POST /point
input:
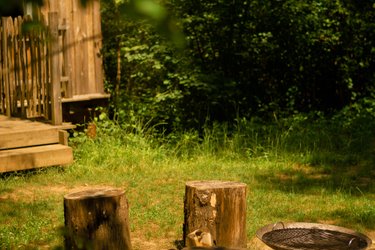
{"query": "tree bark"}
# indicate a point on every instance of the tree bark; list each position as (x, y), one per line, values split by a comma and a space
(215, 214)
(97, 219)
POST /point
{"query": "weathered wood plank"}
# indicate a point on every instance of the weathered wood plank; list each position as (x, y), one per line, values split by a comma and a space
(5, 69)
(2, 90)
(22, 67)
(11, 66)
(35, 157)
(10, 126)
(75, 32)
(67, 49)
(55, 69)
(97, 47)
(91, 84)
(11, 123)
(26, 138)
(84, 77)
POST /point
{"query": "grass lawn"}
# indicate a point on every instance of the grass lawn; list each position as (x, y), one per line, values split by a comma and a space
(281, 187)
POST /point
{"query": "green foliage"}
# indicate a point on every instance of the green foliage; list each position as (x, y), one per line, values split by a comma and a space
(245, 58)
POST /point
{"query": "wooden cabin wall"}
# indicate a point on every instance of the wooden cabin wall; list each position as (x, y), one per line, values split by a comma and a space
(82, 62)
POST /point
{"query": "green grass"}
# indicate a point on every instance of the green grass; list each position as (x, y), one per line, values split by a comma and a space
(289, 178)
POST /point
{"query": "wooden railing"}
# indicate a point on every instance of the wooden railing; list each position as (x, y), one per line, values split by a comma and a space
(30, 68)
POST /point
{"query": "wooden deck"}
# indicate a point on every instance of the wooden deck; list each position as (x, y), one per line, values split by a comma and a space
(26, 144)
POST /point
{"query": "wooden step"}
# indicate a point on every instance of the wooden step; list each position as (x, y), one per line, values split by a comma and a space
(35, 157)
(17, 133)
(33, 136)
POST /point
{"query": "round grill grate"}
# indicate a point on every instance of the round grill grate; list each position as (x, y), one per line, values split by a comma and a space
(311, 236)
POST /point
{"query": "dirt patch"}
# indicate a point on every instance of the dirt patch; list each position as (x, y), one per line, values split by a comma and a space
(139, 243)
(371, 235)
(33, 193)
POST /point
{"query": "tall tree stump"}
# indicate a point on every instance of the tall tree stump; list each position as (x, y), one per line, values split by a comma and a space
(215, 214)
(97, 219)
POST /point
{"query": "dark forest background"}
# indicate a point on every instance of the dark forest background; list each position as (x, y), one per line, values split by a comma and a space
(192, 62)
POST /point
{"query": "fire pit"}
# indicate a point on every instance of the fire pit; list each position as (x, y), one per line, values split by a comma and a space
(311, 236)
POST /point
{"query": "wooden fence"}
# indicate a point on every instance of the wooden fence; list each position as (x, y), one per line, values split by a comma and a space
(30, 64)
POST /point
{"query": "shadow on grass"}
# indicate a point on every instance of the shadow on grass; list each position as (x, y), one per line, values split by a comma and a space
(338, 154)
(24, 174)
(352, 181)
(354, 178)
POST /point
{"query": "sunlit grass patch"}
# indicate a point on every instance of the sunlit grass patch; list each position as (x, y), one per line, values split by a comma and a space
(282, 184)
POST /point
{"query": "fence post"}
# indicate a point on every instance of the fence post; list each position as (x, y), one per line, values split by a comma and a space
(5, 70)
(54, 52)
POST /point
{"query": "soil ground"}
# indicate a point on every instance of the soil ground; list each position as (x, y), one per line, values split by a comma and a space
(139, 242)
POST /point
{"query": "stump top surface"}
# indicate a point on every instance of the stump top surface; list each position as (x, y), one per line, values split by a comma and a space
(91, 193)
(213, 184)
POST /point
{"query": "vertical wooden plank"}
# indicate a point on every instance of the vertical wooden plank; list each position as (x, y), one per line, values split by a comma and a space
(55, 78)
(44, 71)
(99, 79)
(61, 57)
(6, 66)
(2, 91)
(28, 65)
(52, 6)
(83, 54)
(39, 59)
(11, 68)
(67, 49)
(65, 15)
(63, 137)
(75, 31)
(2, 99)
(47, 97)
(17, 67)
(33, 64)
(89, 45)
(21, 67)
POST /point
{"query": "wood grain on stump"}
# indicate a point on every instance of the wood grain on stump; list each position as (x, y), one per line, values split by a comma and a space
(97, 219)
(215, 214)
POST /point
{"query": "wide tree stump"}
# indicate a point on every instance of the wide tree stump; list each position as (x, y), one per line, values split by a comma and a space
(215, 214)
(97, 219)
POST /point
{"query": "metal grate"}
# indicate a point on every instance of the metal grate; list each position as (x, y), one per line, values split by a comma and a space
(311, 236)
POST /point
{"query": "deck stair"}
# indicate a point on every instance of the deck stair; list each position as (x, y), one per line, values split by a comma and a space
(26, 144)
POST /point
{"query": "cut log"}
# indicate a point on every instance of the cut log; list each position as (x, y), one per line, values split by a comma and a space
(97, 219)
(215, 214)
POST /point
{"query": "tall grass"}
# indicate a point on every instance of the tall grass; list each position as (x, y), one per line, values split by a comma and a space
(301, 168)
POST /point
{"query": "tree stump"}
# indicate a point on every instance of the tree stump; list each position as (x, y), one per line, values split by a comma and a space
(97, 219)
(215, 214)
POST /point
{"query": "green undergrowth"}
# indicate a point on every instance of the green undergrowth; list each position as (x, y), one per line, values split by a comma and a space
(299, 169)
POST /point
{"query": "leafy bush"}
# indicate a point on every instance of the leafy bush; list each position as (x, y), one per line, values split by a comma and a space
(242, 59)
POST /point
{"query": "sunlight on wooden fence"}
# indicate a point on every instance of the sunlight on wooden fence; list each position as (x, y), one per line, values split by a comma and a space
(25, 69)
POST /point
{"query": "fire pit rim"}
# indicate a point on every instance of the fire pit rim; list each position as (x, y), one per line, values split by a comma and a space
(307, 225)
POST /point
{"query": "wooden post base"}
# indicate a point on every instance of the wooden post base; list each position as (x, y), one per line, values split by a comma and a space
(97, 219)
(215, 214)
